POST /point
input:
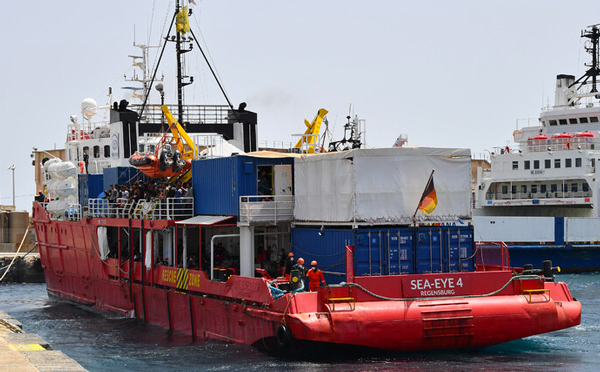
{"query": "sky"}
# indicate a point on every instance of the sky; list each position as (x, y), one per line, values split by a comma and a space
(446, 73)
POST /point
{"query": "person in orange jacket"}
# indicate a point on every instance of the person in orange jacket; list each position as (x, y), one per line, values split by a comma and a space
(316, 277)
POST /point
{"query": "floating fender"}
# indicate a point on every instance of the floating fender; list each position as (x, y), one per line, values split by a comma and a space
(284, 336)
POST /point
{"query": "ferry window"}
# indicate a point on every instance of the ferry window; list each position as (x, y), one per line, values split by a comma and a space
(553, 187)
(578, 162)
(553, 122)
(562, 121)
(515, 165)
(574, 187)
(536, 164)
(107, 151)
(556, 163)
(565, 187)
(585, 187)
(547, 164)
(534, 189)
(568, 163)
(572, 121)
(505, 189)
(583, 120)
(96, 151)
(543, 188)
(524, 189)
(594, 119)
(514, 189)
(526, 164)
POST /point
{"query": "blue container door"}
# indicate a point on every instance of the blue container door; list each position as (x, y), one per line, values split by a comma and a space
(383, 252)
(429, 250)
(399, 243)
(458, 248)
(367, 253)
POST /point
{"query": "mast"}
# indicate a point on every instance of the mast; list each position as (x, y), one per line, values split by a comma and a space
(593, 34)
(180, 51)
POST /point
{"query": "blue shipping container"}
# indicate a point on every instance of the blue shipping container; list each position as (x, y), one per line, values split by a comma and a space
(122, 176)
(443, 249)
(89, 186)
(383, 251)
(327, 248)
(218, 183)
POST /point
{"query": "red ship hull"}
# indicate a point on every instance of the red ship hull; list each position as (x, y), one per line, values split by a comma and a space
(400, 312)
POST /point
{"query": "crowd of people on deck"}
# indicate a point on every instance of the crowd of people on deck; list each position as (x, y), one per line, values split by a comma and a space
(152, 190)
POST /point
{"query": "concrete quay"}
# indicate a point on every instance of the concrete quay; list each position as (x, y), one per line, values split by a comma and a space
(28, 352)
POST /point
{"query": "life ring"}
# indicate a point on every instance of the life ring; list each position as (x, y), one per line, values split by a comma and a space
(284, 337)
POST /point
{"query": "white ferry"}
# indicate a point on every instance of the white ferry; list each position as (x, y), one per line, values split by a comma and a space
(541, 196)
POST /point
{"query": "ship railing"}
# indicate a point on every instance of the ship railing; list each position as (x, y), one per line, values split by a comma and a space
(155, 209)
(538, 195)
(194, 114)
(491, 256)
(266, 208)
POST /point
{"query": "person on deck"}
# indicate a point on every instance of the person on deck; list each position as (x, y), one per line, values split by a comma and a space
(316, 277)
(289, 262)
(40, 197)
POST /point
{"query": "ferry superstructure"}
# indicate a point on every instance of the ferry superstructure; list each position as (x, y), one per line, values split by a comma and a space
(543, 193)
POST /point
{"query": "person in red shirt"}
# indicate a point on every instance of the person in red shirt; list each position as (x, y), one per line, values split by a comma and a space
(316, 277)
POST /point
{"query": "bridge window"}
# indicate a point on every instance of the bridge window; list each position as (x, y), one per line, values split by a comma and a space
(547, 164)
(553, 122)
(585, 187)
(594, 119)
(536, 164)
(583, 120)
(556, 163)
(578, 162)
(96, 152)
(515, 165)
(568, 163)
(527, 164)
(107, 151)
(572, 121)
(562, 121)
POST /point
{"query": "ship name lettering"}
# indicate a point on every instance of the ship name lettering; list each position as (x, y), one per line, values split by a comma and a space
(438, 283)
(194, 280)
(169, 276)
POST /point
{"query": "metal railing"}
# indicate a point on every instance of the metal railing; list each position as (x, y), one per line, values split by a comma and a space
(266, 208)
(156, 209)
(538, 195)
(491, 255)
(194, 114)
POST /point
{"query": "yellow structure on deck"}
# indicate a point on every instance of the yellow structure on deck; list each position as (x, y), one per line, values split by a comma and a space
(312, 133)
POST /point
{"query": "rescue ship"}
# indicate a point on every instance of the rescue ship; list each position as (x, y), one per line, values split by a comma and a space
(390, 228)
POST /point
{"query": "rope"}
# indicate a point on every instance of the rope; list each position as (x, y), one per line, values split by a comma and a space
(20, 257)
(516, 277)
(15, 256)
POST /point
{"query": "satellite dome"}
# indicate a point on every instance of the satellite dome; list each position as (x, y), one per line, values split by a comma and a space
(89, 108)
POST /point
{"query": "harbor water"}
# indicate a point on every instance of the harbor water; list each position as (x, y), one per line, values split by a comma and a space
(104, 342)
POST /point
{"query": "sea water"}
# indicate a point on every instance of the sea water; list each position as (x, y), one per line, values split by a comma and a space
(103, 342)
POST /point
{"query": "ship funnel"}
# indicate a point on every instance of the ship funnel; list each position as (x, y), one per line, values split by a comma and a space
(561, 97)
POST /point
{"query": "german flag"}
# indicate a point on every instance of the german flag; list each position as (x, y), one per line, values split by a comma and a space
(429, 199)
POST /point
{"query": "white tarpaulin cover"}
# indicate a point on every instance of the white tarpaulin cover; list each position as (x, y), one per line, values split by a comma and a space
(382, 185)
(103, 243)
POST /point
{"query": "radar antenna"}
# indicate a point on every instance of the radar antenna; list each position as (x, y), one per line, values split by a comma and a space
(593, 35)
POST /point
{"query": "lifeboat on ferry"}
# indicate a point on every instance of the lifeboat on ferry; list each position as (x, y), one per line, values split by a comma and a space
(585, 134)
(563, 135)
(172, 155)
(540, 137)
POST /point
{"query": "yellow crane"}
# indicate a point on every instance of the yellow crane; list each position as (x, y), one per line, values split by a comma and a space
(312, 132)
